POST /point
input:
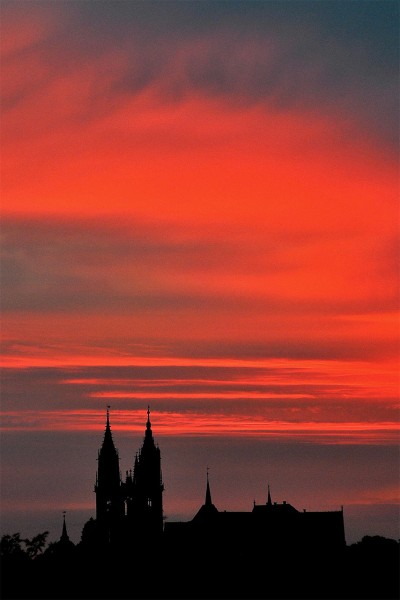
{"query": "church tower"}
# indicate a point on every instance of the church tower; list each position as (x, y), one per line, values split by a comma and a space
(110, 508)
(144, 489)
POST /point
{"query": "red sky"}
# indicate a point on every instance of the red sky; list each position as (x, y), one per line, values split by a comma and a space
(200, 213)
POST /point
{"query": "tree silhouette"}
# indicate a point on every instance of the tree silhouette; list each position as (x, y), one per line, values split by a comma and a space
(10, 546)
(36, 545)
(368, 570)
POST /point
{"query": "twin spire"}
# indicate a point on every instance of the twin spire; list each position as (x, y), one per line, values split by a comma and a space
(108, 427)
(148, 424)
(208, 501)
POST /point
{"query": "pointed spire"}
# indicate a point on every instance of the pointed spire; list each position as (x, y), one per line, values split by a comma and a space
(107, 432)
(269, 501)
(108, 441)
(108, 450)
(148, 434)
(64, 536)
(207, 510)
(208, 493)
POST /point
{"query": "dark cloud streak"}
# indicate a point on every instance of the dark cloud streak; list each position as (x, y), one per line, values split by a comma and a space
(76, 389)
(56, 266)
(337, 56)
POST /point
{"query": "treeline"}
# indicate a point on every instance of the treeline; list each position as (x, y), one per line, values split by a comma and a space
(34, 569)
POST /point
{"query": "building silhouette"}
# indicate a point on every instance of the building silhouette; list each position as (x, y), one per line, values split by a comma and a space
(127, 551)
(130, 513)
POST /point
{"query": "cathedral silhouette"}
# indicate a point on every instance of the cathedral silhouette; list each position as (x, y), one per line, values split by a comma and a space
(131, 512)
(130, 552)
(133, 507)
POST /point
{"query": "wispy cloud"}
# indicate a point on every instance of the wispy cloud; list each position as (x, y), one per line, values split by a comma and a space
(261, 53)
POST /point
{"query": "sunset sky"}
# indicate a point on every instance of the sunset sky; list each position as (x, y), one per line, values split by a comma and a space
(200, 213)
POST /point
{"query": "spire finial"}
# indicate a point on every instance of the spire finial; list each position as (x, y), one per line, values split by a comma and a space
(148, 424)
(269, 501)
(108, 415)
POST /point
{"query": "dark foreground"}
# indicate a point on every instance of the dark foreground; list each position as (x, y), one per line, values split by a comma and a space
(366, 570)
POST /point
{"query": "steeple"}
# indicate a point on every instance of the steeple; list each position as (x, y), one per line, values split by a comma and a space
(148, 424)
(144, 490)
(269, 501)
(108, 443)
(208, 509)
(64, 546)
(109, 500)
(148, 433)
(108, 457)
(64, 536)
(208, 493)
